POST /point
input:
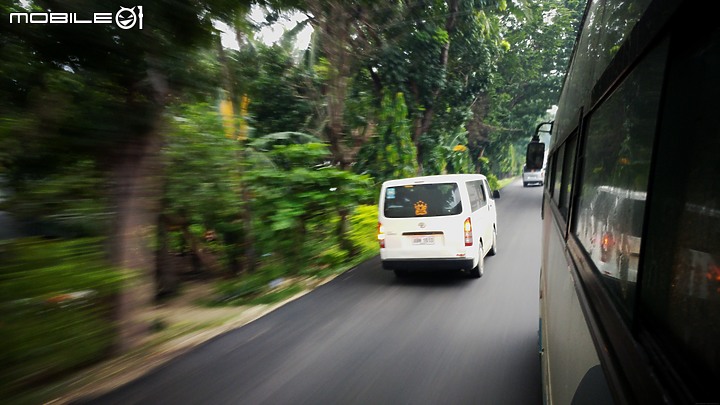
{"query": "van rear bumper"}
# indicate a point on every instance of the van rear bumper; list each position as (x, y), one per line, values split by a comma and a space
(428, 264)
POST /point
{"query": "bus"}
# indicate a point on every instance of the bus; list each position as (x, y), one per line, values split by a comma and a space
(630, 269)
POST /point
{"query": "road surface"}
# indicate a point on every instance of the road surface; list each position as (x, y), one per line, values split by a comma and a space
(370, 338)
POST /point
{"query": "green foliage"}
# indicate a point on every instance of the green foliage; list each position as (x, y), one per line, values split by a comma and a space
(276, 86)
(239, 291)
(78, 93)
(202, 173)
(391, 153)
(504, 182)
(483, 165)
(298, 191)
(531, 71)
(493, 182)
(508, 164)
(363, 229)
(325, 257)
(448, 153)
(265, 143)
(70, 203)
(277, 295)
(441, 57)
(331, 257)
(294, 193)
(36, 267)
(508, 157)
(55, 310)
(264, 287)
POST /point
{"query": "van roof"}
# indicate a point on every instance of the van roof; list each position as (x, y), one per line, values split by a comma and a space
(623, 193)
(441, 178)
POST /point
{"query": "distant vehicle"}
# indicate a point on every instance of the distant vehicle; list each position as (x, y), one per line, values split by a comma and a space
(533, 176)
(610, 226)
(437, 223)
(630, 268)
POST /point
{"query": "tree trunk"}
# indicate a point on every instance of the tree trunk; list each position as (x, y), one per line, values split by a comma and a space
(342, 232)
(166, 273)
(334, 27)
(422, 125)
(249, 262)
(135, 189)
(202, 260)
(424, 121)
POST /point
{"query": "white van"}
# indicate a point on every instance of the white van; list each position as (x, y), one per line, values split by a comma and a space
(445, 222)
(532, 176)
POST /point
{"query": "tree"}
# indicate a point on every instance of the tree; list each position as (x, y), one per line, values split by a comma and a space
(297, 190)
(440, 55)
(99, 93)
(202, 181)
(276, 89)
(529, 76)
(390, 153)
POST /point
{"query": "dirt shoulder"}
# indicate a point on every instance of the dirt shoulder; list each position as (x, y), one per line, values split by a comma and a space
(183, 324)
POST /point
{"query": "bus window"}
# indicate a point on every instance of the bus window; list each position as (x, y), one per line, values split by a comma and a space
(615, 176)
(566, 183)
(557, 173)
(606, 26)
(681, 274)
(580, 75)
(617, 24)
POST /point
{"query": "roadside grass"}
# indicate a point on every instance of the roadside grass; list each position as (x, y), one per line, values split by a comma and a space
(55, 311)
(504, 182)
(279, 278)
(265, 287)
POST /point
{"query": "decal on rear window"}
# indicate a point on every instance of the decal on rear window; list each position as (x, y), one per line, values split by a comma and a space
(420, 208)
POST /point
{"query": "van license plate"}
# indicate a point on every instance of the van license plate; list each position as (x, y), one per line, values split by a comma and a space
(423, 240)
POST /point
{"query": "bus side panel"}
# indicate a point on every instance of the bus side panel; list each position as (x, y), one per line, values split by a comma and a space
(568, 350)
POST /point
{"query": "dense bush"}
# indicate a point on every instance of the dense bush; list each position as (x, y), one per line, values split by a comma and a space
(324, 257)
(363, 230)
(55, 309)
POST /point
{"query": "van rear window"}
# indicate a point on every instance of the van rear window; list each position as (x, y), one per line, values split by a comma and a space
(422, 200)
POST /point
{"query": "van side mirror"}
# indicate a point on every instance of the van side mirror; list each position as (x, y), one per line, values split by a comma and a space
(496, 194)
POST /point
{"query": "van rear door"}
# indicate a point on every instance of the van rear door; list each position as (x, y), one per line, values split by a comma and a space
(422, 220)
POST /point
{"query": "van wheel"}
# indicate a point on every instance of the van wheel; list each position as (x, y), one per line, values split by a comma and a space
(525, 184)
(478, 270)
(493, 249)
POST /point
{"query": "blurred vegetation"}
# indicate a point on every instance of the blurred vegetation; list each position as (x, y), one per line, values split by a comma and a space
(55, 309)
(276, 281)
(162, 155)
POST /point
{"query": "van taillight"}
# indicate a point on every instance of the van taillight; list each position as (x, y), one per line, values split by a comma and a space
(381, 235)
(467, 232)
(606, 244)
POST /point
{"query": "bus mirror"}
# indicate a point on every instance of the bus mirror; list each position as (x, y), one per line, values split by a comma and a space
(535, 156)
(496, 194)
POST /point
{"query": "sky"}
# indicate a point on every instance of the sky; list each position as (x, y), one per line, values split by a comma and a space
(270, 34)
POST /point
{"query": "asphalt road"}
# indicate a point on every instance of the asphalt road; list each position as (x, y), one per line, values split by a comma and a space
(369, 338)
